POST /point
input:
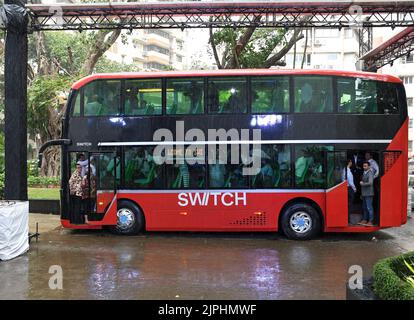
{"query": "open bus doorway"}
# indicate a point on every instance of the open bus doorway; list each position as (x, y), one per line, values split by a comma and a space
(90, 174)
(355, 205)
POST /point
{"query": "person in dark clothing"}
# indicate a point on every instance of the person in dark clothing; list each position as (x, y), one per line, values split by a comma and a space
(75, 189)
(367, 193)
(357, 171)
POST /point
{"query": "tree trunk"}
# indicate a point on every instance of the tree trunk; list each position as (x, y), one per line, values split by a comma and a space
(214, 48)
(274, 60)
(294, 55)
(305, 49)
(104, 39)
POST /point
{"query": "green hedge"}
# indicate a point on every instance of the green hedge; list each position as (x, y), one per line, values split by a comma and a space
(42, 181)
(387, 283)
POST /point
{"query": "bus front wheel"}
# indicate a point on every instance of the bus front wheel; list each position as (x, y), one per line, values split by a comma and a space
(130, 219)
(300, 221)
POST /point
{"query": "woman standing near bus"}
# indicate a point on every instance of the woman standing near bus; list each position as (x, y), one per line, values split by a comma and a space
(76, 192)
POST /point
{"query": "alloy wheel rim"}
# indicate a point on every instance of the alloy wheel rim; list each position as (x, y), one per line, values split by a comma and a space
(300, 222)
(126, 218)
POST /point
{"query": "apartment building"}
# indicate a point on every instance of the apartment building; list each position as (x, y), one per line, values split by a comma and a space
(339, 49)
(325, 49)
(404, 69)
(151, 49)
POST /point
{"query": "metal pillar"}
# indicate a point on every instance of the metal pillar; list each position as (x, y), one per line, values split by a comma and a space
(365, 39)
(15, 87)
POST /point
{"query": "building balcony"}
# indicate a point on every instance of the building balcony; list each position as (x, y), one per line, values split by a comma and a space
(154, 56)
(157, 40)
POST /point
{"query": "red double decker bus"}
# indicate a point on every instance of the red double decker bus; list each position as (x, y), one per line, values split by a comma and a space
(310, 122)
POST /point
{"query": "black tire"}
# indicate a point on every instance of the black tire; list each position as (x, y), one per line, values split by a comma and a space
(306, 214)
(129, 210)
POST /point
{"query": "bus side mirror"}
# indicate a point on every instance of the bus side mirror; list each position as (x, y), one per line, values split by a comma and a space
(56, 142)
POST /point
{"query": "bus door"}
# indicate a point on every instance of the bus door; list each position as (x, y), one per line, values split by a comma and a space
(105, 181)
(337, 190)
(393, 189)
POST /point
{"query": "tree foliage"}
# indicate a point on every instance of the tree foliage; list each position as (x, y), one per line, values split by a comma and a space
(56, 59)
(46, 107)
(252, 47)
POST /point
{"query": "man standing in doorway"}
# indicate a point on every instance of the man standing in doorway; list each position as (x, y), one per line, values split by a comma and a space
(349, 177)
(372, 163)
(375, 169)
(367, 192)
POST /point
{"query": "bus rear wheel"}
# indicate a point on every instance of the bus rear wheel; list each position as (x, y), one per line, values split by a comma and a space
(300, 221)
(130, 219)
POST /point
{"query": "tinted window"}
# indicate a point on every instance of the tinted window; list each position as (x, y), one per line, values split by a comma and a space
(143, 97)
(275, 168)
(141, 172)
(313, 94)
(310, 171)
(227, 95)
(357, 95)
(223, 174)
(336, 162)
(185, 96)
(77, 104)
(270, 95)
(388, 98)
(190, 174)
(108, 168)
(102, 98)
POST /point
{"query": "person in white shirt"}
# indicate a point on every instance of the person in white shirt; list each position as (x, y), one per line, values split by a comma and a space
(372, 163)
(349, 177)
(84, 164)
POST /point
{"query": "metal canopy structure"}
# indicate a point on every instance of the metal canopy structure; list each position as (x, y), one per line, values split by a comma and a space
(19, 18)
(402, 44)
(221, 14)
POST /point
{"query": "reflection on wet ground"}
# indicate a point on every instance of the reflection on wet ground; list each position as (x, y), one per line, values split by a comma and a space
(99, 265)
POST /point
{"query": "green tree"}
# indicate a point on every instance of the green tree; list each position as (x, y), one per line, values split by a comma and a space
(56, 59)
(252, 47)
(46, 107)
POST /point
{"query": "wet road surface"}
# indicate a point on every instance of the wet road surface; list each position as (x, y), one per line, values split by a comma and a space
(99, 265)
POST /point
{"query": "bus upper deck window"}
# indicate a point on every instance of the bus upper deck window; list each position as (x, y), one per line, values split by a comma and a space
(388, 98)
(143, 97)
(313, 94)
(270, 95)
(102, 98)
(185, 96)
(227, 95)
(77, 105)
(356, 95)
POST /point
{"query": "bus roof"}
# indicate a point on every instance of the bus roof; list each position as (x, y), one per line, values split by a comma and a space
(233, 72)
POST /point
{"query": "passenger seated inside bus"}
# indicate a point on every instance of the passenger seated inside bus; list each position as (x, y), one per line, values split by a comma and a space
(217, 173)
(182, 176)
(313, 94)
(266, 177)
(110, 103)
(312, 101)
(93, 105)
(233, 104)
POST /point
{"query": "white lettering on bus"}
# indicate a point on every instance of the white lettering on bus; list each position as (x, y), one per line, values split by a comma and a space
(242, 197)
(215, 194)
(227, 204)
(182, 199)
(226, 199)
